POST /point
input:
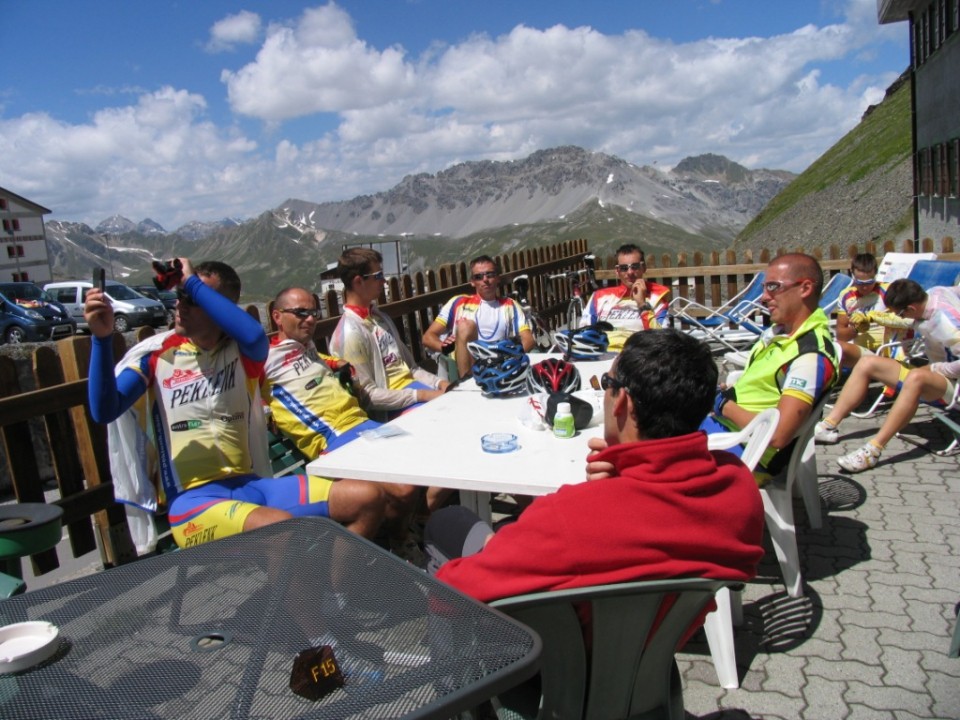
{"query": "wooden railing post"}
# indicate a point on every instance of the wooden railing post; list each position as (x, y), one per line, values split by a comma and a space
(116, 544)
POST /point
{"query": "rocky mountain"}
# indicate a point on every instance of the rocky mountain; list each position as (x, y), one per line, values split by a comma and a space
(712, 197)
(199, 230)
(494, 207)
(116, 225)
(150, 227)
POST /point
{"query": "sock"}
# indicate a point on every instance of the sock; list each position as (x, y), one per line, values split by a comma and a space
(829, 423)
(877, 446)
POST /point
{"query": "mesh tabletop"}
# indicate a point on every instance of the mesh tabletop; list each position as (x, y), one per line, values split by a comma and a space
(212, 632)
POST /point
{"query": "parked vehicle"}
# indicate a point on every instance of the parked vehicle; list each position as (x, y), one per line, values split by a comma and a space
(167, 297)
(28, 314)
(130, 308)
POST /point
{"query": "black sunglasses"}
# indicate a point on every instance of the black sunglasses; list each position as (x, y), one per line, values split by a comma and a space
(488, 275)
(302, 313)
(609, 382)
(632, 266)
(184, 298)
(378, 275)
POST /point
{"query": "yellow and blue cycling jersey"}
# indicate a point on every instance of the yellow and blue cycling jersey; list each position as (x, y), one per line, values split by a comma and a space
(201, 411)
(308, 403)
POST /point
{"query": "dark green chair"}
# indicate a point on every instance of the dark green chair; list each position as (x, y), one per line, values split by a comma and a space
(25, 529)
(285, 457)
(628, 670)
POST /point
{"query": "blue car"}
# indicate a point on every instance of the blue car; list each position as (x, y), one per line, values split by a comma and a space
(30, 314)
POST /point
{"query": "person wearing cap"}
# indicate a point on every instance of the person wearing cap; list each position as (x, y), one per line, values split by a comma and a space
(482, 316)
(368, 339)
(654, 463)
(633, 305)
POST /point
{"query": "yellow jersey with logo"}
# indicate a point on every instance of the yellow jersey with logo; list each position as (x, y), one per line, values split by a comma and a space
(200, 402)
(306, 398)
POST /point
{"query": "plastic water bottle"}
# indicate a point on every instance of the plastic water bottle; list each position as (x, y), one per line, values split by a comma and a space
(563, 426)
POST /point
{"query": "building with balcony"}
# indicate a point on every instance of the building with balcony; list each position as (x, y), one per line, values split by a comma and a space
(23, 240)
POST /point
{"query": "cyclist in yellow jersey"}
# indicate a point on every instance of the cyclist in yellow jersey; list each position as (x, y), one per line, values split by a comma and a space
(318, 408)
(202, 411)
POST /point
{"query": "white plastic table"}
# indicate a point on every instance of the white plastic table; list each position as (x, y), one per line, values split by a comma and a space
(440, 447)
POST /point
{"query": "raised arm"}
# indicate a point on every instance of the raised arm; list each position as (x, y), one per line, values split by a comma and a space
(109, 396)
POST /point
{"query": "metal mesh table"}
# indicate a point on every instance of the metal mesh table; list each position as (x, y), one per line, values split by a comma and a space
(212, 632)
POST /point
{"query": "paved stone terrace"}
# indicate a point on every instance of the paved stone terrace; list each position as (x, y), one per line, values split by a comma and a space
(870, 637)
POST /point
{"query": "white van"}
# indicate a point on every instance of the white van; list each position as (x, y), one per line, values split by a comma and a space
(130, 308)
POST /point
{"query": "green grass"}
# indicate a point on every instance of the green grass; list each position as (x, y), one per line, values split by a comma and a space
(880, 141)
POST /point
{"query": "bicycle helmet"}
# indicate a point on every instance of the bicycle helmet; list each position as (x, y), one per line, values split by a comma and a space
(502, 376)
(586, 343)
(552, 375)
(484, 350)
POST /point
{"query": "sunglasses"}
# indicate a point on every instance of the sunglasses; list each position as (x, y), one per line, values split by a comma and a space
(376, 276)
(868, 281)
(775, 286)
(302, 313)
(632, 266)
(184, 298)
(609, 382)
(899, 313)
(488, 275)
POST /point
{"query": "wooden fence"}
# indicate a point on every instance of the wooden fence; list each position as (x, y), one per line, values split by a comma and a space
(57, 400)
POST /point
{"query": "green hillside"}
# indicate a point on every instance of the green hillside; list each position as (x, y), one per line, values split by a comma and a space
(877, 144)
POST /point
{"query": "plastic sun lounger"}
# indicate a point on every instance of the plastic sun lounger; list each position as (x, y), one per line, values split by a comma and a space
(714, 325)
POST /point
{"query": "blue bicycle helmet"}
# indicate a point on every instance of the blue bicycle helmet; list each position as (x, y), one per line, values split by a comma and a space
(587, 343)
(503, 376)
(493, 350)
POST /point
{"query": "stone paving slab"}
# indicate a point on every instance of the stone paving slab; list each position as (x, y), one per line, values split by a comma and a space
(869, 639)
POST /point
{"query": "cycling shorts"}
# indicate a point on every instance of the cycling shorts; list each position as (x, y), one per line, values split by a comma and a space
(219, 508)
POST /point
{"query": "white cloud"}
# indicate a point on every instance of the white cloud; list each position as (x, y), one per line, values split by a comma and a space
(317, 65)
(760, 101)
(240, 29)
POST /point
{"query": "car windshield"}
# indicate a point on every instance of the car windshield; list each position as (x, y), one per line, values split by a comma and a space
(117, 291)
(28, 292)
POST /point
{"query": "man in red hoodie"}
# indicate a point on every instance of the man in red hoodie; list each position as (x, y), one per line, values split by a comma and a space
(657, 504)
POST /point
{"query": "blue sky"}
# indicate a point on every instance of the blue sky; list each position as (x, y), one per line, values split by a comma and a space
(183, 110)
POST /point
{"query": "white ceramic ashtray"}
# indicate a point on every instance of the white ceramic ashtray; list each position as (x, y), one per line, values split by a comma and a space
(499, 442)
(23, 645)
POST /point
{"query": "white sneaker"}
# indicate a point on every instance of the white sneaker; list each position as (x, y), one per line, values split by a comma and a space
(826, 435)
(860, 460)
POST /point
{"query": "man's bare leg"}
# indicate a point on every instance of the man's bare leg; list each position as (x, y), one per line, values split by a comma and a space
(359, 505)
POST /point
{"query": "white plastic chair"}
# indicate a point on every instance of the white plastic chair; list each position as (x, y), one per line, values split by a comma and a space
(801, 472)
(718, 625)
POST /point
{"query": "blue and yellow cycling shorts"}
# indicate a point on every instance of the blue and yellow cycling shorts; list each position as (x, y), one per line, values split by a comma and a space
(219, 508)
